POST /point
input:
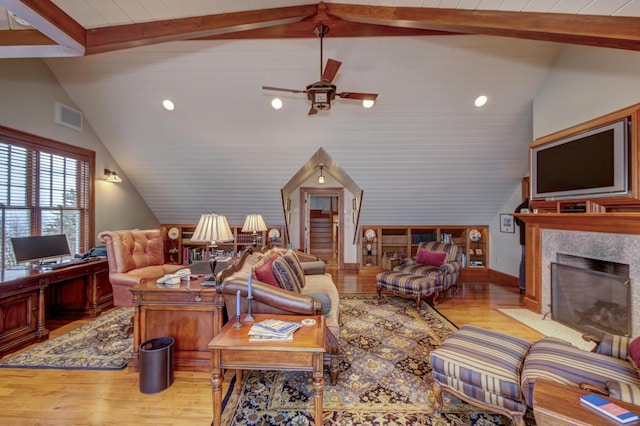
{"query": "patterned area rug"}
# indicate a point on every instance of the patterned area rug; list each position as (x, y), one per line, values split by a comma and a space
(98, 345)
(384, 375)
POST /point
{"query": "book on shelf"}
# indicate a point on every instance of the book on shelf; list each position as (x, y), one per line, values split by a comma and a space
(608, 408)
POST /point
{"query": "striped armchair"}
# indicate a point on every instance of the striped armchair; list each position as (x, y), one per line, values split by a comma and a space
(450, 270)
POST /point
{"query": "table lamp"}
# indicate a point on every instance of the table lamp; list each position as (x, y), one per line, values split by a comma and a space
(254, 223)
(212, 228)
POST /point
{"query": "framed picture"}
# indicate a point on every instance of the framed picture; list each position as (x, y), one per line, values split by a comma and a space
(478, 252)
(506, 223)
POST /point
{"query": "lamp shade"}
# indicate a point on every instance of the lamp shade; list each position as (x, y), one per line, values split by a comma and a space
(254, 223)
(212, 228)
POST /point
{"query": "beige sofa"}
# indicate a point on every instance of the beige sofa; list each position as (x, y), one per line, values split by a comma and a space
(318, 295)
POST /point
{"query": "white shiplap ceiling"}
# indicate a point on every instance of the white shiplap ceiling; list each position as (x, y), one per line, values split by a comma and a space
(423, 154)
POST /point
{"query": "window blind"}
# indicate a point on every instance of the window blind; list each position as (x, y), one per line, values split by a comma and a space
(45, 189)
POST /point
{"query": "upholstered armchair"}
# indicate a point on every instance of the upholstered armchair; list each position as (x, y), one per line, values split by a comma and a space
(134, 256)
(449, 265)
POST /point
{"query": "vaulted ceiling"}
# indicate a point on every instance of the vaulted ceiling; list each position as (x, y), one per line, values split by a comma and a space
(422, 154)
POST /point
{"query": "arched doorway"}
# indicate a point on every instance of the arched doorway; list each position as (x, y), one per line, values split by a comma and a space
(322, 223)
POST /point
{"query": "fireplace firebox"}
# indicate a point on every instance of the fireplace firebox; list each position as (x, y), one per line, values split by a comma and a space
(591, 295)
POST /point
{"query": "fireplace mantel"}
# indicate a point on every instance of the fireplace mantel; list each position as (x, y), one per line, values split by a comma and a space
(617, 223)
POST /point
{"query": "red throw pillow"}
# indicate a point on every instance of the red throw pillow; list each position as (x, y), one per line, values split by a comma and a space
(265, 272)
(432, 258)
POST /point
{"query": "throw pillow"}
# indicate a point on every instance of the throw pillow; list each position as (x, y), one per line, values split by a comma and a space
(626, 392)
(323, 298)
(432, 258)
(294, 262)
(263, 271)
(285, 276)
(634, 353)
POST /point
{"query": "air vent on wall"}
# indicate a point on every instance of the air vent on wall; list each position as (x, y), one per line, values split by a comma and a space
(68, 116)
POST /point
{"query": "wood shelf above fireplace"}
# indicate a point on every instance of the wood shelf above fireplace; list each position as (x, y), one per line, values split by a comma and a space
(618, 223)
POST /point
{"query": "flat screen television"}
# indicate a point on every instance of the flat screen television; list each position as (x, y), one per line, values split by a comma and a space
(590, 164)
(27, 249)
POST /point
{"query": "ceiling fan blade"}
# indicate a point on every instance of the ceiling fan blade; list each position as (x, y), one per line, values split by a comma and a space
(330, 70)
(312, 111)
(280, 89)
(353, 95)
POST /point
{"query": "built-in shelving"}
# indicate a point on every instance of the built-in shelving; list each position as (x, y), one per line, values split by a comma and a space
(388, 245)
(183, 250)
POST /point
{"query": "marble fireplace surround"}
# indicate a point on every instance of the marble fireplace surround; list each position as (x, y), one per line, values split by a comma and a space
(621, 248)
(608, 236)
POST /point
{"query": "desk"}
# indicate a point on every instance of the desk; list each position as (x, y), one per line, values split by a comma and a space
(30, 296)
(191, 314)
(556, 404)
(231, 349)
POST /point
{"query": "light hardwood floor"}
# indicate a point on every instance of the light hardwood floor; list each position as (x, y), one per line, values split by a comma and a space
(74, 397)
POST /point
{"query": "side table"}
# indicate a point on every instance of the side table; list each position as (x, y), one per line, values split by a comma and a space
(192, 314)
(231, 349)
(556, 404)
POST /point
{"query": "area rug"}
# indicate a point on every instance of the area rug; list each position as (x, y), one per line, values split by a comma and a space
(98, 345)
(384, 375)
(548, 327)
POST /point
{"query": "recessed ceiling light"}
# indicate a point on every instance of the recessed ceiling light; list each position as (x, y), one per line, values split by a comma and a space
(368, 103)
(481, 101)
(168, 105)
(276, 103)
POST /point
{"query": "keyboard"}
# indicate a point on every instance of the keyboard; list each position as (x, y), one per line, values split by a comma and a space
(66, 264)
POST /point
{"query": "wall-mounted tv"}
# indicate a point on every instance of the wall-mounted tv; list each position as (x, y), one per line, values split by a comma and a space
(27, 249)
(590, 164)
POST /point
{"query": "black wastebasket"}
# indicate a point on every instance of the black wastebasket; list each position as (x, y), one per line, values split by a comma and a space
(156, 364)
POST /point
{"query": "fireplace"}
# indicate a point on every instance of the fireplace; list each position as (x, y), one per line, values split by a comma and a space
(609, 247)
(591, 295)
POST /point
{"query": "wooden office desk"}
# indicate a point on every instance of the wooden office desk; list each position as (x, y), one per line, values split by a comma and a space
(28, 297)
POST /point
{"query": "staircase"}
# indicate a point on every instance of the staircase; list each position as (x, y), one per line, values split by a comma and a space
(321, 241)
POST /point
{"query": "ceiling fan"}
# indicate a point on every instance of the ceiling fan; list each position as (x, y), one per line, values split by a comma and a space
(322, 92)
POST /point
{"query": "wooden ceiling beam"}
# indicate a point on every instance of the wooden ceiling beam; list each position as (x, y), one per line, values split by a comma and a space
(591, 30)
(337, 28)
(24, 38)
(125, 36)
(54, 25)
(344, 20)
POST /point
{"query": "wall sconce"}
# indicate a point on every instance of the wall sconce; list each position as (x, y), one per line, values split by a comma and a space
(321, 177)
(110, 176)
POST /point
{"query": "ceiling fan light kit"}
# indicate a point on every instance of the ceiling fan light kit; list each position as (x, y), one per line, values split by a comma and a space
(322, 92)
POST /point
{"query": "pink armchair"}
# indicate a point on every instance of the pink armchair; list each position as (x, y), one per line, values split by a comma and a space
(134, 257)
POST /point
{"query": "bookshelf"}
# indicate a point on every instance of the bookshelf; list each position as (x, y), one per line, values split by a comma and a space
(184, 251)
(393, 243)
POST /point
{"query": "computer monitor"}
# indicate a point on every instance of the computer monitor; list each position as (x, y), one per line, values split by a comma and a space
(38, 247)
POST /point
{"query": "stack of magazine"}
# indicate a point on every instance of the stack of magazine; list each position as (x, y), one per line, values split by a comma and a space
(273, 330)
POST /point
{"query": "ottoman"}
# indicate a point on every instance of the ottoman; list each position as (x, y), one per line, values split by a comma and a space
(408, 285)
(481, 367)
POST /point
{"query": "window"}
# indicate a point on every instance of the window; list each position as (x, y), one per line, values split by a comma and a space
(45, 189)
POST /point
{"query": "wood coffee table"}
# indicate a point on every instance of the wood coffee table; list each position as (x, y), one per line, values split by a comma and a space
(231, 349)
(556, 404)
